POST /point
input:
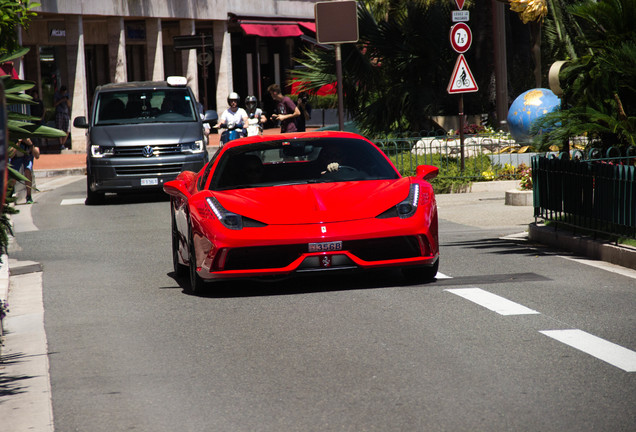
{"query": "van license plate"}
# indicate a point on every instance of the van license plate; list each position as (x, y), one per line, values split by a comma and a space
(149, 182)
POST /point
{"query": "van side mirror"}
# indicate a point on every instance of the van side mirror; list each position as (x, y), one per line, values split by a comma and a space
(80, 122)
(210, 117)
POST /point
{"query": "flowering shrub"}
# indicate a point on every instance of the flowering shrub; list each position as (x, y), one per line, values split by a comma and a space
(488, 175)
(525, 175)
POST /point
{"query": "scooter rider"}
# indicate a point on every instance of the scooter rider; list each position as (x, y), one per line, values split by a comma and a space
(233, 115)
(256, 116)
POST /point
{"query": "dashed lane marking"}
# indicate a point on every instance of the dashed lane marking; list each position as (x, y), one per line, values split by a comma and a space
(492, 301)
(609, 352)
(73, 201)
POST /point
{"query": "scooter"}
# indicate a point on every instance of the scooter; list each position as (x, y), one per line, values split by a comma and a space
(232, 131)
(254, 127)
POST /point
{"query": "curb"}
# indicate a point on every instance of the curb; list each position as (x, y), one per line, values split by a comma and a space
(59, 172)
(624, 256)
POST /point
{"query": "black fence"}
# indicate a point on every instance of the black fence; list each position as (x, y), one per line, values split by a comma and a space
(595, 195)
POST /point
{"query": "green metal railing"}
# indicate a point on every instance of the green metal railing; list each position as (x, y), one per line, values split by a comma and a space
(482, 154)
(598, 195)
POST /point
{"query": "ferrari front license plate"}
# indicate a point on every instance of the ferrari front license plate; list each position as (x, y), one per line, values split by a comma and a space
(149, 182)
(325, 247)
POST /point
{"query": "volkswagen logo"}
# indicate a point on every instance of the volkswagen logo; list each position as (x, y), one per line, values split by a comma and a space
(147, 151)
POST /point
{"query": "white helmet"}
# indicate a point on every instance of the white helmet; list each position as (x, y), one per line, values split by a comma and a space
(233, 96)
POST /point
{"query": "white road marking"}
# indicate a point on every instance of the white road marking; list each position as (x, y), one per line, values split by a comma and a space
(442, 276)
(609, 352)
(604, 266)
(73, 201)
(492, 301)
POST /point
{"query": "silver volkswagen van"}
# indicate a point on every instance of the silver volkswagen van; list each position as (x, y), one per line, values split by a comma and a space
(141, 135)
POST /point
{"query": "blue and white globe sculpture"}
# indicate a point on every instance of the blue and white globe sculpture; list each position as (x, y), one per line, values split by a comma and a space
(528, 107)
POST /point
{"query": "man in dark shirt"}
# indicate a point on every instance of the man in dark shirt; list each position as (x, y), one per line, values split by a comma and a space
(286, 110)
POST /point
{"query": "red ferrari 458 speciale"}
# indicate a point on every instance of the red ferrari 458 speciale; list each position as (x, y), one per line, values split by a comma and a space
(294, 203)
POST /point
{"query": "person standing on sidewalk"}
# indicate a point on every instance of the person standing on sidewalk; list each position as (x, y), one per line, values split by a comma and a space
(286, 110)
(62, 105)
(22, 159)
(305, 112)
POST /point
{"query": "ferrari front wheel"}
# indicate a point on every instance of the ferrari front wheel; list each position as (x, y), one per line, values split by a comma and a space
(196, 283)
(421, 274)
(179, 269)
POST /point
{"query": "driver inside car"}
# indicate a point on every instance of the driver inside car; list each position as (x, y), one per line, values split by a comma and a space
(332, 158)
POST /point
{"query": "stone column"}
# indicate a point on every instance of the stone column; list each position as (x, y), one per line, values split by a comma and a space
(117, 50)
(77, 77)
(222, 64)
(154, 49)
(189, 58)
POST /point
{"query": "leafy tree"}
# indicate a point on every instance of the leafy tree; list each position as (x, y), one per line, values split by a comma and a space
(599, 85)
(17, 13)
(395, 78)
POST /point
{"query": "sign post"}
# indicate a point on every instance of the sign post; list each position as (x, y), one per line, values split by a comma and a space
(204, 58)
(337, 23)
(462, 80)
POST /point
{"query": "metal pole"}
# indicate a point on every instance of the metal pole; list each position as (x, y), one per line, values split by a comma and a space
(501, 65)
(205, 73)
(339, 87)
(461, 129)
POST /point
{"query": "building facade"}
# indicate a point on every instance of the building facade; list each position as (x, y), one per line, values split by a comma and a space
(220, 46)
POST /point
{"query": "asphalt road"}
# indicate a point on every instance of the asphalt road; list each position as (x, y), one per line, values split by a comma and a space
(478, 349)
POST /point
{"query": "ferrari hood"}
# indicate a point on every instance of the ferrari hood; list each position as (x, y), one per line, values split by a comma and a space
(316, 203)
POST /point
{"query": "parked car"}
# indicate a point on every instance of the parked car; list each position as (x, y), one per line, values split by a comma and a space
(294, 203)
(141, 135)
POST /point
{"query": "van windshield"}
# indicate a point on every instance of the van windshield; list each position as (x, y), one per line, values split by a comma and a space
(145, 106)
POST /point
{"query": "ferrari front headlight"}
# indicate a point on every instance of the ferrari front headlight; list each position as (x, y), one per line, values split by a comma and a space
(406, 208)
(229, 220)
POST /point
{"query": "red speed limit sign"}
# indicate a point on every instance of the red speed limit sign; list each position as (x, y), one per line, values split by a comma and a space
(461, 37)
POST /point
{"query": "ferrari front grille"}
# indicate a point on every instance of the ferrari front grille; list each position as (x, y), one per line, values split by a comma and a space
(268, 257)
(381, 249)
(263, 257)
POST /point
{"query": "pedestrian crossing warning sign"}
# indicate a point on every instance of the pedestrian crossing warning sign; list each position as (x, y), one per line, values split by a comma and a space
(462, 80)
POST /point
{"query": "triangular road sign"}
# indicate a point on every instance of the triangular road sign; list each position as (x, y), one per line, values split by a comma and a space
(460, 4)
(462, 80)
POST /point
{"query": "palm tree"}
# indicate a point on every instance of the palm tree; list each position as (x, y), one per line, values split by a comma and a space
(395, 78)
(600, 91)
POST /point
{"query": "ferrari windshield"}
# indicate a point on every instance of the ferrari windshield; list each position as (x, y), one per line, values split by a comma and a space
(313, 160)
(144, 106)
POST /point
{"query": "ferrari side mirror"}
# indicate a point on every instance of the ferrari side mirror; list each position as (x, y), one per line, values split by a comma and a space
(176, 188)
(426, 172)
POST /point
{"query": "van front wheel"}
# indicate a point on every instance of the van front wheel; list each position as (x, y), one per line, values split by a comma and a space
(93, 198)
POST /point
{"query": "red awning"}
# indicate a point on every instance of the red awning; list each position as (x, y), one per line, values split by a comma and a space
(272, 30)
(308, 25)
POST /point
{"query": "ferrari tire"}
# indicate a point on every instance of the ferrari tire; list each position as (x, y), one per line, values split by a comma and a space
(197, 285)
(421, 274)
(179, 269)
